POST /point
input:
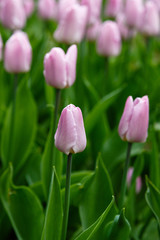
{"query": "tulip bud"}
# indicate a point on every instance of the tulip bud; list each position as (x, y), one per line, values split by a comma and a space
(70, 136)
(133, 12)
(133, 126)
(28, 7)
(13, 14)
(63, 5)
(94, 9)
(72, 25)
(1, 47)
(113, 7)
(18, 53)
(150, 21)
(60, 69)
(47, 9)
(109, 39)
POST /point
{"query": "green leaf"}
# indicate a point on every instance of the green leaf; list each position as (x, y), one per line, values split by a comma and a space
(119, 229)
(153, 199)
(95, 231)
(16, 146)
(96, 195)
(54, 213)
(23, 208)
(96, 113)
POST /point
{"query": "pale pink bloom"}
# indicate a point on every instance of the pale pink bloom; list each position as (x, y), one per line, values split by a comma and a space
(92, 30)
(72, 25)
(63, 5)
(1, 47)
(60, 69)
(47, 9)
(28, 7)
(109, 39)
(157, 2)
(133, 126)
(113, 7)
(13, 14)
(150, 19)
(70, 136)
(18, 53)
(125, 30)
(138, 180)
(94, 9)
(133, 11)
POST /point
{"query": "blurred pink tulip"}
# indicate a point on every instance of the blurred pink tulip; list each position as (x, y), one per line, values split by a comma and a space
(60, 69)
(13, 14)
(157, 2)
(92, 30)
(1, 47)
(28, 7)
(70, 136)
(94, 9)
(138, 180)
(47, 9)
(125, 31)
(133, 126)
(63, 5)
(150, 20)
(133, 11)
(113, 7)
(18, 53)
(109, 39)
(72, 25)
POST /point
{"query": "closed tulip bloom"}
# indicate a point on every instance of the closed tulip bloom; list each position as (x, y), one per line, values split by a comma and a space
(133, 126)
(72, 25)
(60, 69)
(47, 9)
(18, 53)
(13, 14)
(150, 21)
(133, 11)
(63, 5)
(1, 47)
(94, 9)
(109, 39)
(28, 7)
(113, 7)
(70, 136)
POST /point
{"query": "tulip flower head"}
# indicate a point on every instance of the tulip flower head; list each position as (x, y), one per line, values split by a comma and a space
(138, 180)
(113, 7)
(18, 53)
(72, 25)
(70, 136)
(94, 9)
(47, 9)
(109, 39)
(133, 126)
(150, 20)
(28, 7)
(133, 11)
(13, 14)
(60, 69)
(1, 47)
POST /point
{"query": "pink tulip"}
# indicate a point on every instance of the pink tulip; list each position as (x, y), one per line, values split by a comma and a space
(13, 14)
(1, 47)
(18, 53)
(94, 9)
(63, 5)
(70, 136)
(47, 9)
(113, 7)
(138, 180)
(133, 11)
(28, 7)
(72, 25)
(150, 21)
(125, 31)
(92, 30)
(109, 39)
(60, 69)
(133, 126)
(157, 2)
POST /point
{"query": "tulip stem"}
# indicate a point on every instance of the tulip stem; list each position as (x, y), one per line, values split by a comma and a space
(67, 197)
(124, 184)
(12, 115)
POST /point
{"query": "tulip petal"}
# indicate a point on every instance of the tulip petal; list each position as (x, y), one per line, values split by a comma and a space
(71, 57)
